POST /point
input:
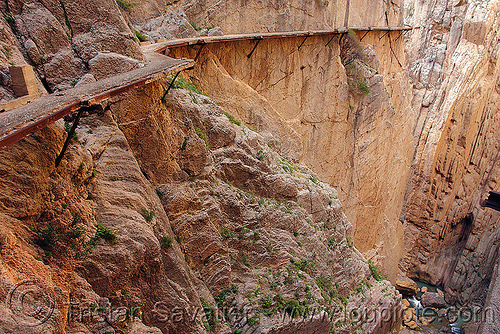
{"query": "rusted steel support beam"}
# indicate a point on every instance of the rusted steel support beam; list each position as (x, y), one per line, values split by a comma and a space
(254, 47)
(70, 135)
(400, 34)
(305, 38)
(173, 80)
(199, 51)
(170, 85)
(388, 31)
(364, 35)
(331, 39)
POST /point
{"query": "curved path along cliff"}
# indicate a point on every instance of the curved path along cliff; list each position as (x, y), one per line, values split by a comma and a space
(18, 123)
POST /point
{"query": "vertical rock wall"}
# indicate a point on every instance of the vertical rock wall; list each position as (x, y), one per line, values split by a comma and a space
(264, 16)
(453, 65)
(345, 136)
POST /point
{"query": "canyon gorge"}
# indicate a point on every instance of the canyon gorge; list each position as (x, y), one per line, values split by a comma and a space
(279, 185)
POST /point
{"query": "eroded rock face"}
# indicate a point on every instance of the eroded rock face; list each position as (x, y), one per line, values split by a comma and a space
(172, 24)
(87, 242)
(234, 17)
(238, 226)
(406, 285)
(241, 212)
(313, 111)
(60, 37)
(306, 104)
(454, 69)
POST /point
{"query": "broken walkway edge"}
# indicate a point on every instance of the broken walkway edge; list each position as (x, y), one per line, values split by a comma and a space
(19, 123)
(162, 45)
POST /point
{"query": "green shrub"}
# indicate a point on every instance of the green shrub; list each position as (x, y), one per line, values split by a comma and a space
(66, 19)
(125, 5)
(195, 27)
(148, 215)
(232, 119)
(244, 260)
(227, 234)
(220, 299)
(362, 85)
(105, 233)
(48, 235)
(375, 271)
(140, 37)
(202, 136)
(7, 51)
(9, 18)
(349, 243)
(242, 232)
(210, 315)
(184, 144)
(101, 233)
(331, 243)
(67, 127)
(252, 321)
(167, 241)
(184, 84)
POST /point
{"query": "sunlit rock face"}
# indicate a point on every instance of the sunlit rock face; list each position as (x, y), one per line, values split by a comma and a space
(203, 192)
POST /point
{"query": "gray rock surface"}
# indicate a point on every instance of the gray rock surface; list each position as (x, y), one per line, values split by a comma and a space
(433, 299)
(172, 24)
(107, 64)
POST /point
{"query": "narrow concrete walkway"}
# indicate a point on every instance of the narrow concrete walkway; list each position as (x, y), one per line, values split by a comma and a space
(162, 45)
(19, 123)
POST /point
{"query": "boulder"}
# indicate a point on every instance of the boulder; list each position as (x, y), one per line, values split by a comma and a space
(105, 65)
(86, 79)
(220, 133)
(63, 68)
(194, 155)
(105, 37)
(406, 303)
(173, 24)
(39, 25)
(432, 299)
(406, 285)
(408, 315)
(411, 324)
(217, 31)
(32, 51)
(424, 289)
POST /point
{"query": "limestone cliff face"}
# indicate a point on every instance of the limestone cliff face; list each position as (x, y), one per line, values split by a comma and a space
(206, 212)
(60, 38)
(229, 225)
(439, 116)
(454, 70)
(263, 16)
(301, 91)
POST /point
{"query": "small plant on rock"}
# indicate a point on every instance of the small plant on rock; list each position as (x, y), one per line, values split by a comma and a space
(232, 119)
(167, 241)
(125, 5)
(140, 37)
(148, 215)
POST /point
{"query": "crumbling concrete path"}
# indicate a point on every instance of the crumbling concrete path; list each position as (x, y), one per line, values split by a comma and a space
(19, 123)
